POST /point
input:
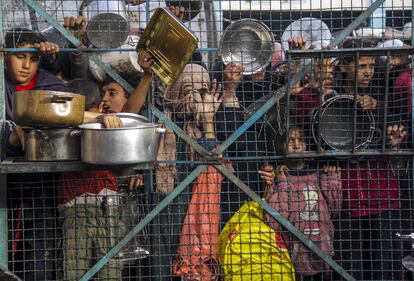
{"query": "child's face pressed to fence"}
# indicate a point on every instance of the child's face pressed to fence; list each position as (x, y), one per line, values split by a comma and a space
(365, 71)
(22, 66)
(296, 142)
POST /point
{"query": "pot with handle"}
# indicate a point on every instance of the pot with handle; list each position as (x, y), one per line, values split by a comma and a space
(52, 144)
(136, 142)
(50, 109)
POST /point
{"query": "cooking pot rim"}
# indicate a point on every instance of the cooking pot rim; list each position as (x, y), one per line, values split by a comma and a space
(90, 126)
(46, 92)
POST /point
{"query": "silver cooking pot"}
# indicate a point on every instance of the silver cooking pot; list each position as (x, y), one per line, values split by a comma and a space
(52, 144)
(124, 63)
(136, 142)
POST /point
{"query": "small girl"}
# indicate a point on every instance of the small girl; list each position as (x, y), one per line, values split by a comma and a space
(309, 199)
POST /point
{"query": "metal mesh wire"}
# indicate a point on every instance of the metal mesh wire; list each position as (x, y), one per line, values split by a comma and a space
(337, 143)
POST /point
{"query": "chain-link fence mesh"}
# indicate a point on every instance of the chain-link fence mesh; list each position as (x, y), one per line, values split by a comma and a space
(311, 115)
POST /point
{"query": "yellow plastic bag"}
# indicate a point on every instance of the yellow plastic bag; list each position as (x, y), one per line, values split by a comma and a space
(250, 250)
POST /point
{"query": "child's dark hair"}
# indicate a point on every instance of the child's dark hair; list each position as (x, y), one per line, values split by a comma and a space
(87, 88)
(132, 82)
(355, 43)
(280, 139)
(20, 36)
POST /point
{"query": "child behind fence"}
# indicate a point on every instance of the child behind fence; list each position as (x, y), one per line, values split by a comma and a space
(308, 198)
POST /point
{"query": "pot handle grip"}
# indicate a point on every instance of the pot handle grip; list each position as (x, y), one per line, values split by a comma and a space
(75, 133)
(60, 99)
(160, 130)
(41, 132)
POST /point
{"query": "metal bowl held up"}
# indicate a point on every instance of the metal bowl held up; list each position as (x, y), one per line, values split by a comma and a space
(247, 42)
(336, 124)
(124, 63)
(314, 30)
(136, 142)
(108, 23)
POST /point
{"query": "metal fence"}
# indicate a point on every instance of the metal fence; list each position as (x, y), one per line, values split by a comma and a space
(329, 127)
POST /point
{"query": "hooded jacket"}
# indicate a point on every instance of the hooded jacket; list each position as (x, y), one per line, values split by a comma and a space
(309, 202)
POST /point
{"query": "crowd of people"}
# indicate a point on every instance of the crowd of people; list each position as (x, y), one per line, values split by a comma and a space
(351, 209)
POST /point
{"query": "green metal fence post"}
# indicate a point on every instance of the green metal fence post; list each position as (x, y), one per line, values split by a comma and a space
(3, 183)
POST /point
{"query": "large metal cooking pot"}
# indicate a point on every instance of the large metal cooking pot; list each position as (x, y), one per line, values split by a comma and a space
(48, 109)
(52, 144)
(248, 42)
(136, 142)
(108, 24)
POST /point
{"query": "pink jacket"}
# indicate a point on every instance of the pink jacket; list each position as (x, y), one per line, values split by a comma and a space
(308, 202)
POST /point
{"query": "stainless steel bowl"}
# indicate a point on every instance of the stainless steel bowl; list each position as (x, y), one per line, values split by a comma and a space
(247, 42)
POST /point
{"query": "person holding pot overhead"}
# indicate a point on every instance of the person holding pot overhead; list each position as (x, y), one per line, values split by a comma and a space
(88, 200)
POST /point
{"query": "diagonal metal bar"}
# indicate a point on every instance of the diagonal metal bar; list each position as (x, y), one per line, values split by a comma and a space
(179, 131)
(230, 175)
(148, 218)
(272, 98)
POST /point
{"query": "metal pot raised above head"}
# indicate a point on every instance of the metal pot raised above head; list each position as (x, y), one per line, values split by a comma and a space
(124, 63)
(247, 42)
(51, 109)
(108, 23)
(52, 144)
(136, 142)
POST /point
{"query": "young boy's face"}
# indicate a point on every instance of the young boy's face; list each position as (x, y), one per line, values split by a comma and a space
(326, 74)
(22, 67)
(296, 142)
(365, 71)
(113, 97)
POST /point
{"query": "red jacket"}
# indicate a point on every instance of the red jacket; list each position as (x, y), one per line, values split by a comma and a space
(308, 202)
(369, 187)
(400, 98)
(305, 102)
(75, 184)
